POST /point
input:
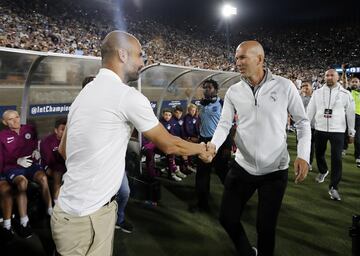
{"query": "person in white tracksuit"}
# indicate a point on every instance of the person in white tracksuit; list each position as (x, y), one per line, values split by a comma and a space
(332, 107)
(262, 102)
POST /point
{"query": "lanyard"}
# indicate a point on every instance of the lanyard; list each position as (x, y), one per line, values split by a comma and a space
(333, 103)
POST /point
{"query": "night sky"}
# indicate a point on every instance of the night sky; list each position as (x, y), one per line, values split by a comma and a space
(253, 11)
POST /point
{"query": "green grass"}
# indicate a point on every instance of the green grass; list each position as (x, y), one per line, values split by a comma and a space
(309, 223)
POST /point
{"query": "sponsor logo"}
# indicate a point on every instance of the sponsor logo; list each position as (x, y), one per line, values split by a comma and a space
(48, 109)
(10, 139)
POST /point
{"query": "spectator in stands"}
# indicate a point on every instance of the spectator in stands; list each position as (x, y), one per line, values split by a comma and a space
(174, 129)
(262, 102)
(20, 158)
(332, 107)
(51, 160)
(83, 221)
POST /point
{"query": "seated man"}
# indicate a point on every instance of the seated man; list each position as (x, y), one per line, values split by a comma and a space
(52, 161)
(20, 158)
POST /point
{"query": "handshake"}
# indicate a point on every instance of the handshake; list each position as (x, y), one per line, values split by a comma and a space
(208, 152)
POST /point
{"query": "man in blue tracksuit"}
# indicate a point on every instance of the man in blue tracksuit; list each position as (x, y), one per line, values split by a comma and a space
(209, 115)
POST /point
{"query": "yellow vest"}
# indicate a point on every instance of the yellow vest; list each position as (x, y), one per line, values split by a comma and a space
(356, 96)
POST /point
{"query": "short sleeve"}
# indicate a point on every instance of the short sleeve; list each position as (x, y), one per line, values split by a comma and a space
(138, 111)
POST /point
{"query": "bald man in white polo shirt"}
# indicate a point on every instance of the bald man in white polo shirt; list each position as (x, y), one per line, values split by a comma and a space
(99, 126)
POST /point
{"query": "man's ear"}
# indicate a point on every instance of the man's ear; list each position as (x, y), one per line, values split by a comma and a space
(123, 55)
(3, 121)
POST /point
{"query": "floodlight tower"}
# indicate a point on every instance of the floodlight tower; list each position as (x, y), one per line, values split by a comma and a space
(227, 11)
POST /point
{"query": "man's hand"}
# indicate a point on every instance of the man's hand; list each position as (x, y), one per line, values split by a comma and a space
(24, 161)
(208, 154)
(301, 169)
(351, 140)
(36, 154)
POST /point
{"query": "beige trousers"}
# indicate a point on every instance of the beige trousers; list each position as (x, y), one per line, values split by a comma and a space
(88, 235)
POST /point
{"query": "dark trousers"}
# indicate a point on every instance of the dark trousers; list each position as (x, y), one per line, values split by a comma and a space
(357, 137)
(239, 187)
(337, 143)
(312, 146)
(203, 172)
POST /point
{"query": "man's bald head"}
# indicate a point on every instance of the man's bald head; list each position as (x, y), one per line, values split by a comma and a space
(250, 59)
(121, 52)
(253, 47)
(114, 41)
(8, 112)
(331, 77)
(11, 119)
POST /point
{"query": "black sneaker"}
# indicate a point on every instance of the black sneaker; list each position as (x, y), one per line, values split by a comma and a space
(125, 226)
(6, 235)
(24, 232)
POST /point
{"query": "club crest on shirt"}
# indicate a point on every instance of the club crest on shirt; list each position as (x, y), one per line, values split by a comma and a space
(214, 108)
(273, 96)
(194, 121)
(181, 122)
(27, 136)
(55, 149)
(168, 127)
(10, 139)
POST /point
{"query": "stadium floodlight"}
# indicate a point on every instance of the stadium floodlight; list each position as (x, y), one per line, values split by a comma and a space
(228, 10)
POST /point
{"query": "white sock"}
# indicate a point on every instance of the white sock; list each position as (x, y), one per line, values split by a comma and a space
(24, 220)
(7, 224)
(50, 210)
(55, 201)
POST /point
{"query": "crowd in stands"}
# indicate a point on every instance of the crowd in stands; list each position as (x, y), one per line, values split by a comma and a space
(64, 27)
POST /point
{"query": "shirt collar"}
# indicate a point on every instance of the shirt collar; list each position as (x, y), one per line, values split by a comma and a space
(267, 77)
(109, 72)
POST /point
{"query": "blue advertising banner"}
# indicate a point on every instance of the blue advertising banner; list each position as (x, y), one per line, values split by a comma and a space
(173, 103)
(352, 70)
(49, 109)
(4, 108)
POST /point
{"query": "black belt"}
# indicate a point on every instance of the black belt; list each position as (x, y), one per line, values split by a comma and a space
(110, 201)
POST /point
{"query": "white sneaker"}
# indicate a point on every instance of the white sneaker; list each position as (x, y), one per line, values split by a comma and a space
(175, 177)
(334, 194)
(191, 169)
(180, 174)
(310, 168)
(255, 250)
(357, 161)
(321, 177)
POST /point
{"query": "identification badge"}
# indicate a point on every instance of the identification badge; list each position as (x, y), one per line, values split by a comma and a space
(328, 113)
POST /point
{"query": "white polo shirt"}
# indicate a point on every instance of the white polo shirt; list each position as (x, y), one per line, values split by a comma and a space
(98, 131)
